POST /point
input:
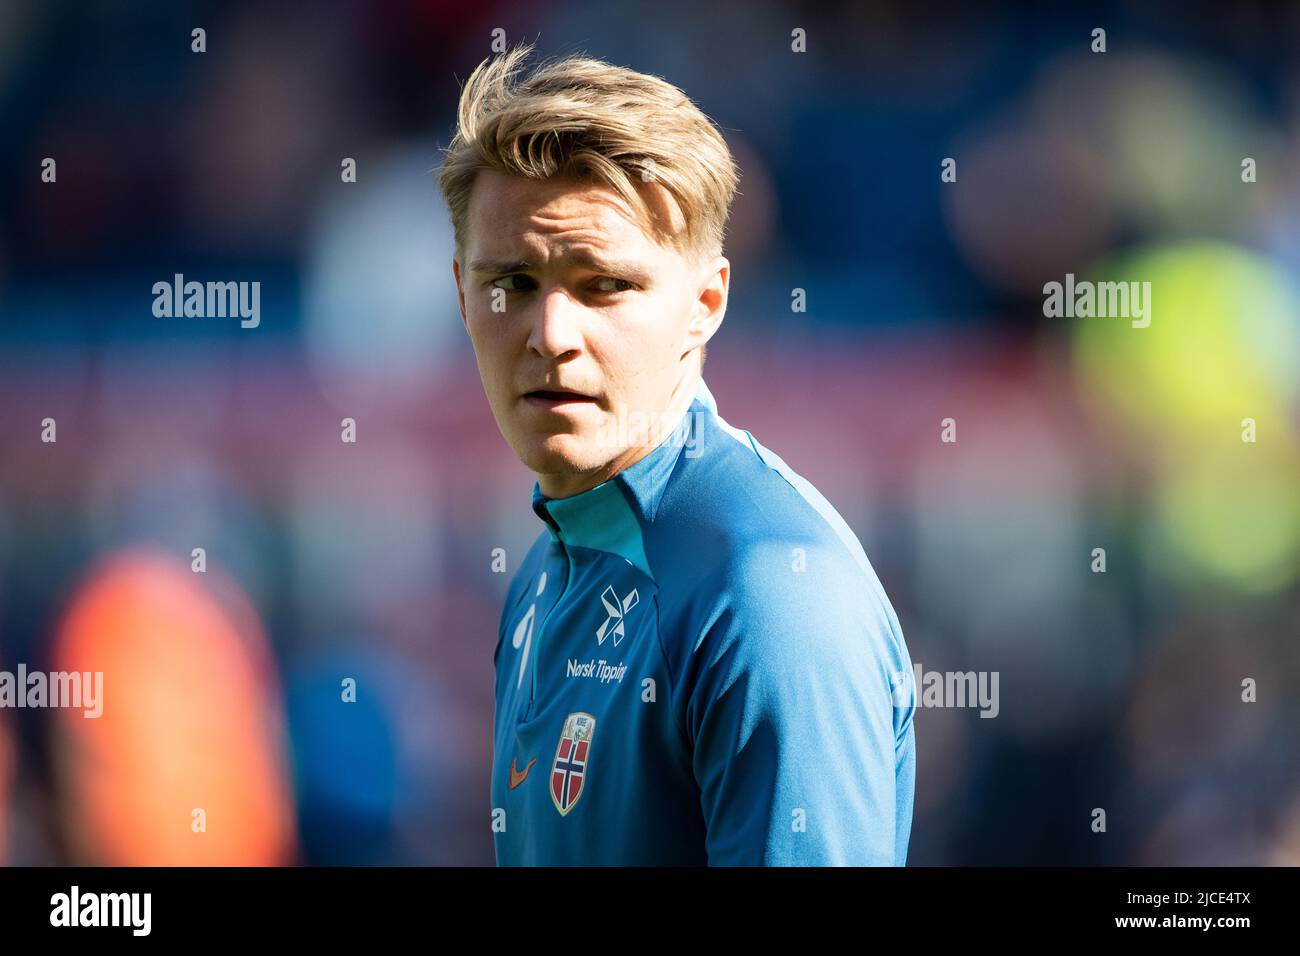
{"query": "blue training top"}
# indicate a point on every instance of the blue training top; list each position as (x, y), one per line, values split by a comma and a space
(697, 664)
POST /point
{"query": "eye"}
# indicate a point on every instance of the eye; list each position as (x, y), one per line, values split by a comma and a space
(611, 284)
(515, 282)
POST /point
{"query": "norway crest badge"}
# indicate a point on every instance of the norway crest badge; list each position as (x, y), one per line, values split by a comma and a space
(569, 771)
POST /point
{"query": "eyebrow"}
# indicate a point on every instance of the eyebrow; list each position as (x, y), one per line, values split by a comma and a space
(499, 265)
(632, 271)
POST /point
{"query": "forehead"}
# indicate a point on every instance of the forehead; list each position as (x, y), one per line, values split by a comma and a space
(511, 215)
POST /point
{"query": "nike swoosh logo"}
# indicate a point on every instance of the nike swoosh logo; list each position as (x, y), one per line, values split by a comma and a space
(516, 776)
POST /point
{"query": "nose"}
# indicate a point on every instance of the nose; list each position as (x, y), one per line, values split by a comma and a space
(556, 326)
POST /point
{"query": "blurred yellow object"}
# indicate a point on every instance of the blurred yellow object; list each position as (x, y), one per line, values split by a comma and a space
(1223, 344)
(192, 729)
(1236, 517)
(1206, 395)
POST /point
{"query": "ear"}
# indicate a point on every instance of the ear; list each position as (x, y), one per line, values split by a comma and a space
(710, 304)
(460, 289)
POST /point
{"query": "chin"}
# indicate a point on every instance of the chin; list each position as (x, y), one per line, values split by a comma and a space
(561, 455)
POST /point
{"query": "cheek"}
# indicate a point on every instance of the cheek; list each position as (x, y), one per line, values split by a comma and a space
(669, 315)
(488, 330)
(641, 352)
(660, 319)
(491, 354)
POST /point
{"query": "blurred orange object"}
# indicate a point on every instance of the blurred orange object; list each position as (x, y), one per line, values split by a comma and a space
(186, 765)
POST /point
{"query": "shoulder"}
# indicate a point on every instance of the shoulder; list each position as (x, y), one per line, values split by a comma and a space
(746, 548)
(729, 506)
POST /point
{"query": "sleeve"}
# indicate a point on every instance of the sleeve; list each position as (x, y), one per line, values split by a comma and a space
(800, 755)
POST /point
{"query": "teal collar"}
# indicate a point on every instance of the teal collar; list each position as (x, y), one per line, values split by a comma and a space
(610, 516)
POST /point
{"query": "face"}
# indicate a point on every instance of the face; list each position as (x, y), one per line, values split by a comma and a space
(585, 325)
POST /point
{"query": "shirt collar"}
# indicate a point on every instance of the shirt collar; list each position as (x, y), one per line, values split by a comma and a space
(598, 516)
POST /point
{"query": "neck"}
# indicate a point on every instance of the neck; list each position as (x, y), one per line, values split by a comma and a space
(568, 484)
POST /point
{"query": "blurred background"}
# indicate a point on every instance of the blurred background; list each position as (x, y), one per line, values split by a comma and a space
(1120, 690)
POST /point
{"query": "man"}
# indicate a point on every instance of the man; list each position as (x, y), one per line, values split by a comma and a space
(696, 663)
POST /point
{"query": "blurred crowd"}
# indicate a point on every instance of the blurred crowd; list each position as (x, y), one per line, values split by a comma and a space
(1161, 689)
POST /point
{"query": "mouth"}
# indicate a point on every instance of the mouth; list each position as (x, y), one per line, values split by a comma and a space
(557, 399)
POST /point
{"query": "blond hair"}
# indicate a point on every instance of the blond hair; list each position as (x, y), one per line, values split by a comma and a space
(584, 119)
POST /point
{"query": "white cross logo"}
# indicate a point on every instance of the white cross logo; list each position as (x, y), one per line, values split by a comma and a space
(616, 610)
